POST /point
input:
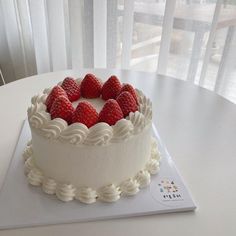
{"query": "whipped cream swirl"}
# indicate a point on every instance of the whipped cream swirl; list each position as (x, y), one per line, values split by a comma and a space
(28, 152)
(65, 192)
(35, 177)
(29, 165)
(153, 166)
(129, 187)
(75, 133)
(155, 154)
(53, 128)
(122, 130)
(40, 98)
(99, 134)
(49, 186)
(38, 116)
(145, 106)
(86, 195)
(138, 121)
(143, 178)
(109, 193)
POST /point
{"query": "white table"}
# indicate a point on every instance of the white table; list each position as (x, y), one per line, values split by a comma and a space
(199, 130)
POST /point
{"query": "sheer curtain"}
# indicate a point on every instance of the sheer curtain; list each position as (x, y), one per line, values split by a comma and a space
(192, 40)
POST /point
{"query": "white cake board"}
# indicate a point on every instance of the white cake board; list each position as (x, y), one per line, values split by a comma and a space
(22, 205)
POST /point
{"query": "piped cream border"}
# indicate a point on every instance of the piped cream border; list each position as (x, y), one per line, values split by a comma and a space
(110, 193)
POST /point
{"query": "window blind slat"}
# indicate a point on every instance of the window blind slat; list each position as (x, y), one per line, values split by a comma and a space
(40, 36)
(128, 20)
(13, 37)
(100, 33)
(111, 33)
(167, 27)
(26, 33)
(210, 42)
(75, 13)
(56, 30)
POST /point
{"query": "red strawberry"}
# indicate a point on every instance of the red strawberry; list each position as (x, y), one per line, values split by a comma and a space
(129, 88)
(111, 88)
(55, 93)
(72, 88)
(85, 113)
(111, 112)
(62, 108)
(91, 87)
(127, 103)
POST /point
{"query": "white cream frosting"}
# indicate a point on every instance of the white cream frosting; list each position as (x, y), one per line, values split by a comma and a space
(74, 134)
(145, 106)
(143, 178)
(122, 130)
(155, 154)
(108, 193)
(86, 195)
(53, 128)
(35, 177)
(29, 165)
(138, 121)
(40, 98)
(99, 134)
(49, 186)
(65, 192)
(38, 116)
(28, 151)
(129, 187)
(153, 166)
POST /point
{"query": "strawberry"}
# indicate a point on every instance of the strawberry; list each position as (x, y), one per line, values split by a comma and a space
(129, 88)
(55, 93)
(127, 103)
(111, 112)
(62, 108)
(72, 88)
(86, 114)
(111, 88)
(91, 87)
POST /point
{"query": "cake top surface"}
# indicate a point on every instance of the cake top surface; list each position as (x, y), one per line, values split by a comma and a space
(90, 111)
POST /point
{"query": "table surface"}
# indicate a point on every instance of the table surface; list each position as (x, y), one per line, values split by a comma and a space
(199, 130)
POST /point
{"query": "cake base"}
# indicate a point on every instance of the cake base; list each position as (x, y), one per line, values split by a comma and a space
(24, 206)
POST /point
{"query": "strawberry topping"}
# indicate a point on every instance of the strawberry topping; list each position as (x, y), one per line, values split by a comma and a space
(91, 87)
(62, 108)
(127, 103)
(111, 112)
(56, 92)
(86, 114)
(72, 88)
(129, 88)
(111, 88)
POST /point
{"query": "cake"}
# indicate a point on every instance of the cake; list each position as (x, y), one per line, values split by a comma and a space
(91, 140)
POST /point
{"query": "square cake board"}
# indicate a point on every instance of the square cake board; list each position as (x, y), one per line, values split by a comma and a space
(23, 205)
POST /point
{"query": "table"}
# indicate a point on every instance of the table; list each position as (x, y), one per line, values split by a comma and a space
(199, 130)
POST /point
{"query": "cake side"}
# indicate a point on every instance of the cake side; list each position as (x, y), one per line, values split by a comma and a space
(108, 193)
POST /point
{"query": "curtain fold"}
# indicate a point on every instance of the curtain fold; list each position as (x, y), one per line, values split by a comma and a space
(188, 40)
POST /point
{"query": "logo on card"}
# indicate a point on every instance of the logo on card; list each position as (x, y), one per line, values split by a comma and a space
(169, 190)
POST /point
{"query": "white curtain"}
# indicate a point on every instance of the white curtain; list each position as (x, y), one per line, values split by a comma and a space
(192, 40)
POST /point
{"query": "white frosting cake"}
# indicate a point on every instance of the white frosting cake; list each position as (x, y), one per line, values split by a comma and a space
(101, 162)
